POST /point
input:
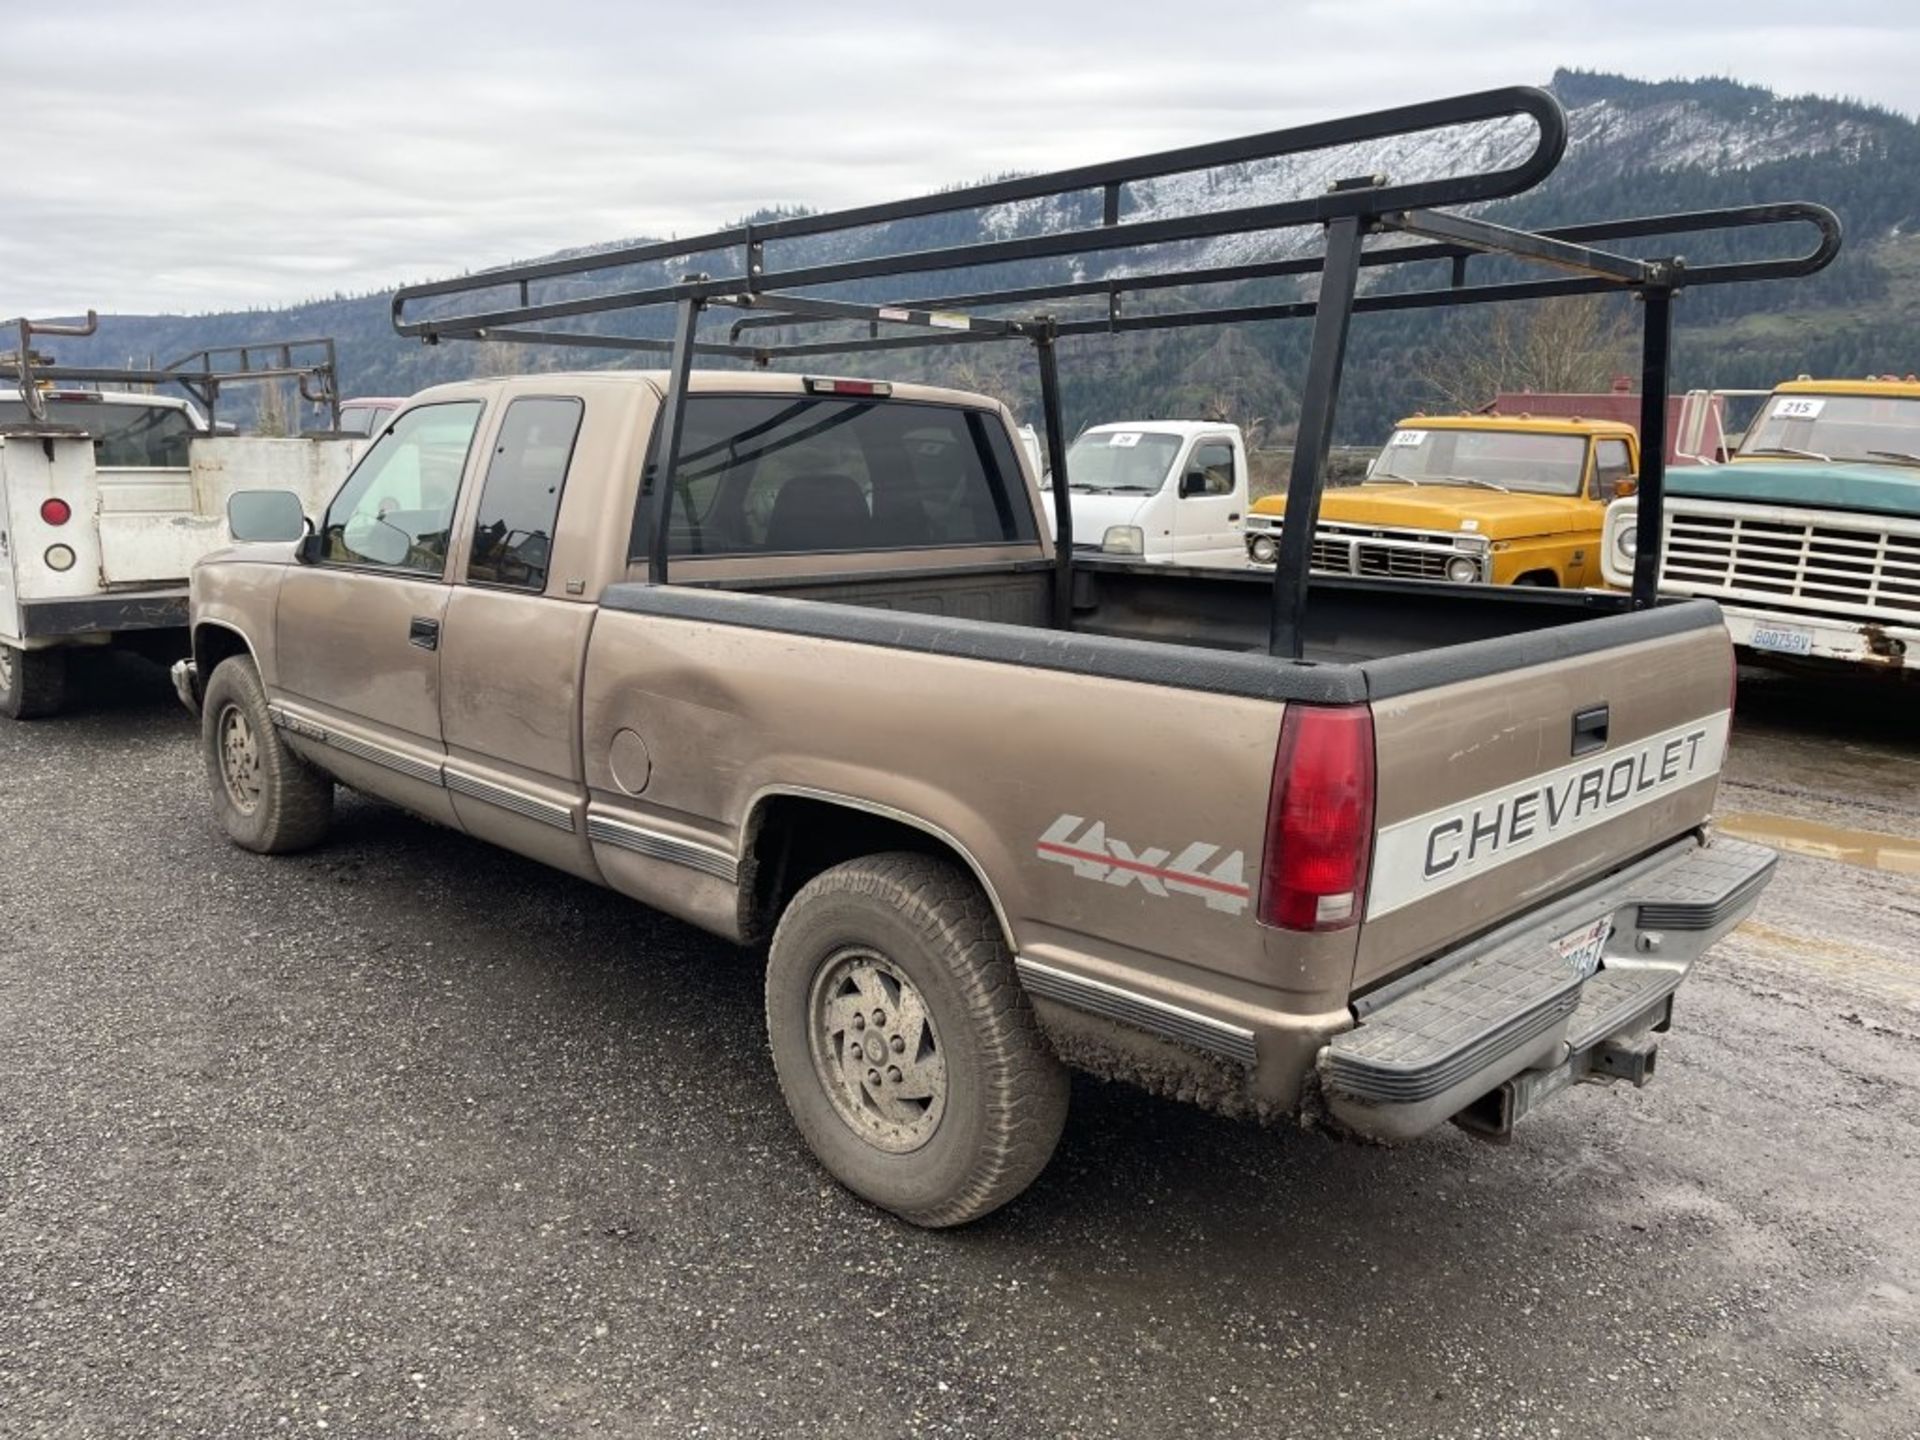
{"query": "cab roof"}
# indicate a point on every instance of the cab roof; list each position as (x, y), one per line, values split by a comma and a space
(1162, 427)
(1885, 386)
(1529, 424)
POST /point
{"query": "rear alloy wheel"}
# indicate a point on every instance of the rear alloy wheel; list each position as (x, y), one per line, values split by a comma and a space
(906, 1049)
(33, 683)
(265, 797)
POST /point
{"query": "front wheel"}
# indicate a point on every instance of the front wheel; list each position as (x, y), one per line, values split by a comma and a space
(33, 683)
(265, 797)
(906, 1049)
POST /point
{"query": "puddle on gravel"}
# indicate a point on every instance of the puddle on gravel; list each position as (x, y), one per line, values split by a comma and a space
(1866, 848)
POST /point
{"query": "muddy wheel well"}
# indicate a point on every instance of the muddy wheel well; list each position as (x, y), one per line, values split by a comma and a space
(213, 644)
(792, 838)
(1545, 579)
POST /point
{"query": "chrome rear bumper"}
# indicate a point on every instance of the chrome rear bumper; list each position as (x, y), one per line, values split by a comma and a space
(1509, 1005)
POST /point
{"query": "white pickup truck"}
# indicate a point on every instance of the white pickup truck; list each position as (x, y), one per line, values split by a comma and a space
(1166, 490)
(106, 502)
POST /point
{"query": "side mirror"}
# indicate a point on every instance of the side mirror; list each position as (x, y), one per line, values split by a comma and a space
(1194, 482)
(265, 515)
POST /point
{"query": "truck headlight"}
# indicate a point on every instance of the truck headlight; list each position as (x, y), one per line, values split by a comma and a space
(1462, 571)
(1124, 540)
(1627, 542)
(1263, 550)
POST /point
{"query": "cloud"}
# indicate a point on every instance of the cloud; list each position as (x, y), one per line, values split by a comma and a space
(249, 154)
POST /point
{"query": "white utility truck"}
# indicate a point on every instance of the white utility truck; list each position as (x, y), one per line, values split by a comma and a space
(108, 497)
(1168, 490)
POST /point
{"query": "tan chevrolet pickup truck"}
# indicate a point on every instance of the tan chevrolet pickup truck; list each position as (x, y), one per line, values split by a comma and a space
(1424, 873)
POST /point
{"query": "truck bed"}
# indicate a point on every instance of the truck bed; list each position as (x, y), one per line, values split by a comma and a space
(1350, 622)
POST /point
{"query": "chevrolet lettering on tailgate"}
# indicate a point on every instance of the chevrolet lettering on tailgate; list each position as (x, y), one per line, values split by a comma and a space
(1438, 850)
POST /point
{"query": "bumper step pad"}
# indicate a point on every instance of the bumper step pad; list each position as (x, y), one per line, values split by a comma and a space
(1470, 1020)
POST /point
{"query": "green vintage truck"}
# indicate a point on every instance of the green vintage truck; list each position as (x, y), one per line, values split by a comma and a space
(1809, 537)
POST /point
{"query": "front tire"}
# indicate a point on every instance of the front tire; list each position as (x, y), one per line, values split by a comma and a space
(906, 1049)
(33, 683)
(265, 797)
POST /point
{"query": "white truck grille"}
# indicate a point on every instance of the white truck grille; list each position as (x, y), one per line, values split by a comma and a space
(1793, 560)
(1398, 554)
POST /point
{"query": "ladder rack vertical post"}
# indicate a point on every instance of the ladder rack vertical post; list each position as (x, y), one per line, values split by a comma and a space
(1062, 495)
(1332, 317)
(1650, 520)
(672, 417)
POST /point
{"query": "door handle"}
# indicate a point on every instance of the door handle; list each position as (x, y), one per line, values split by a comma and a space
(1233, 515)
(1590, 730)
(424, 631)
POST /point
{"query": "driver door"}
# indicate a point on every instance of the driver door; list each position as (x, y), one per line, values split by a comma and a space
(357, 635)
(1208, 508)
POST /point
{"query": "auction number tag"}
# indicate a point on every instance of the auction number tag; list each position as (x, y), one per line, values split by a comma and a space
(1798, 407)
(1124, 438)
(1409, 437)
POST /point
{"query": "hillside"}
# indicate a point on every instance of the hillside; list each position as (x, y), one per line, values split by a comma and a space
(1636, 148)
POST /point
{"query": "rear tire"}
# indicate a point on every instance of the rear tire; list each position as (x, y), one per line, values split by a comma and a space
(265, 797)
(33, 683)
(906, 1049)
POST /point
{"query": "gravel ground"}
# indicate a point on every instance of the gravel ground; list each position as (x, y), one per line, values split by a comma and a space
(410, 1137)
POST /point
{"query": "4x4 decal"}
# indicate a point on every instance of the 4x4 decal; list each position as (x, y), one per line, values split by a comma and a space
(1095, 855)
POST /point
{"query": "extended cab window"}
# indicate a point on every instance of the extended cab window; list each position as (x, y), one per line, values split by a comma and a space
(397, 506)
(790, 474)
(513, 528)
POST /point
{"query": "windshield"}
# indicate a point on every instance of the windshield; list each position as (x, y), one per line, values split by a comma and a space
(1517, 460)
(1875, 429)
(1130, 461)
(138, 437)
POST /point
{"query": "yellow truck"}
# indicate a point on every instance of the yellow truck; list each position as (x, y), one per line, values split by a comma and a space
(1474, 499)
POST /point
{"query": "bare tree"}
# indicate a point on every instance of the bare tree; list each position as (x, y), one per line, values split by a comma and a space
(1573, 343)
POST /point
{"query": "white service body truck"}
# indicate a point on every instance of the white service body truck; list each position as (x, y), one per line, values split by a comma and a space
(104, 508)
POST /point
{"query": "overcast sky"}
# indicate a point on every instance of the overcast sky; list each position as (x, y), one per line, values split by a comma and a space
(220, 155)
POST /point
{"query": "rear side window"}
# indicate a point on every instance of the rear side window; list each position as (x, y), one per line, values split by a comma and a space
(787, 474)
(513, 528)
(396, 508)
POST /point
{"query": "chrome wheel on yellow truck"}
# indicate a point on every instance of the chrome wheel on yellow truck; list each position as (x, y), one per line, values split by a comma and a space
(906, 1049)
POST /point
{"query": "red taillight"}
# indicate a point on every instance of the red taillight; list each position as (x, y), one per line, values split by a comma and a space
(55, 512)
(1319, 819)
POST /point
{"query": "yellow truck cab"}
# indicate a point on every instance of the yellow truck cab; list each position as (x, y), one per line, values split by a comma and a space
(1476, 499)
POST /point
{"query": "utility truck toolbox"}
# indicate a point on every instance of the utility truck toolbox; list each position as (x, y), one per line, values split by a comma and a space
(796, 658)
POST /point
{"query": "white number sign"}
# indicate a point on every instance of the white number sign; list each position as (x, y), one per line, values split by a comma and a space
(1797, 407)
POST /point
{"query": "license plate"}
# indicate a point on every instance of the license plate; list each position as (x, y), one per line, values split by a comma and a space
(1582, 948)
(1782, 640)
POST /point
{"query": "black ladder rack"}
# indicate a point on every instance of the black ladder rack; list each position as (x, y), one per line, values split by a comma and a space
(201, 373)
(745, 270)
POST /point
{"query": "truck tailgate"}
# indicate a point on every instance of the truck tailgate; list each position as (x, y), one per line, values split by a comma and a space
(1534, 781)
